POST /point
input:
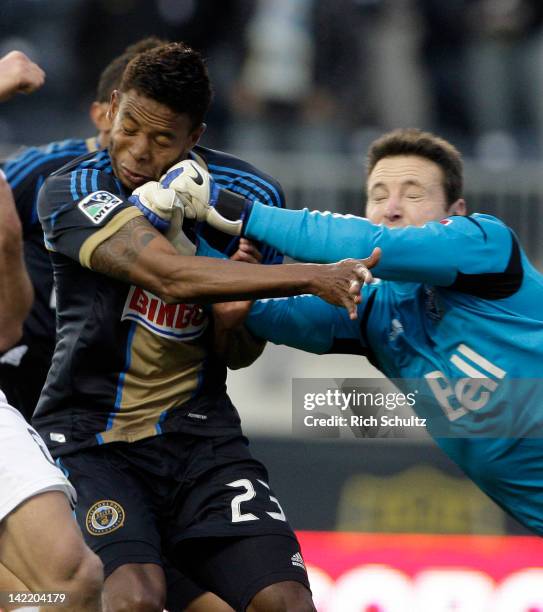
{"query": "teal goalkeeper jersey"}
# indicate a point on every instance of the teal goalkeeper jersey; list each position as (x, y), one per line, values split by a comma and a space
(457, 315)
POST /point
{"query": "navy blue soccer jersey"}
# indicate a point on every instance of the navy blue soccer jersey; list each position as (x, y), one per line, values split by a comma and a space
(23, 369)
(26, 173)
(457, 317)
(127, 366)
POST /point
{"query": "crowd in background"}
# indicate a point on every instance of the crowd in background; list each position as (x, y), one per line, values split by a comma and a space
(303, 75)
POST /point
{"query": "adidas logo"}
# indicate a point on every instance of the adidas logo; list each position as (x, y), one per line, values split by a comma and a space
(298, 560)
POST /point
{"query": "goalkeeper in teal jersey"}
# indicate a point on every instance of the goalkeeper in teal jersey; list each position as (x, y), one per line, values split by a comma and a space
(457, 313)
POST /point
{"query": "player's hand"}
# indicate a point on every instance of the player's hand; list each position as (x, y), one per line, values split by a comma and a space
(231, 339)
(231, 315)
(203, 199)
(341, 283)
(247, 252)
(19, 74)
(158, 205)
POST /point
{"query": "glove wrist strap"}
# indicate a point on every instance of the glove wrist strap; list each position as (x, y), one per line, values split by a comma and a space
(231, 206)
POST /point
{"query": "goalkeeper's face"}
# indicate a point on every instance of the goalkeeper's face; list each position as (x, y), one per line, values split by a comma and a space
(147, 138)
(408, 190)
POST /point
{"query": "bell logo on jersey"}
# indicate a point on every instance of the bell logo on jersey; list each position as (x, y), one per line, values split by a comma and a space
(98, 205)
(179, 322)
(466, 394)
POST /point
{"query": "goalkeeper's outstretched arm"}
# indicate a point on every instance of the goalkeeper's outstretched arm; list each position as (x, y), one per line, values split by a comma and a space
(436, 253)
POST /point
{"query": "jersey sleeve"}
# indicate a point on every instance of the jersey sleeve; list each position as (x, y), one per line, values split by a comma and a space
(307, 323)
(80, 210)
(26, 173)
(436, 253)
(27, 170)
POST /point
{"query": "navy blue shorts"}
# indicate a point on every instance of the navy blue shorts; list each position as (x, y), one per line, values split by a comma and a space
(193, 501)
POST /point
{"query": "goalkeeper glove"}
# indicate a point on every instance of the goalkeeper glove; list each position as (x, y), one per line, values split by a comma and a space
(165, 211)
(157, 204)
(204, 200)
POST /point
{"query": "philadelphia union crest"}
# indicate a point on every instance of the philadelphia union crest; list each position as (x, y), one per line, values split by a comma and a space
(104, 517)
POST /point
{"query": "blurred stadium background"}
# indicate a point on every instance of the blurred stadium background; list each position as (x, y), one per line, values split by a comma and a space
(301, 88)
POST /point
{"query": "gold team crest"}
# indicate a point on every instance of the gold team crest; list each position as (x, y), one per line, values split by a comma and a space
(104, 517)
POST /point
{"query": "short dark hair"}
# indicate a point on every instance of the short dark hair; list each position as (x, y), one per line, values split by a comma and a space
(411, 141)
(110, 78)
(174, 75)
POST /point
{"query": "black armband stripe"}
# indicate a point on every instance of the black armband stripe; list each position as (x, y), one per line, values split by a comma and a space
(230, 205)
(493, 285)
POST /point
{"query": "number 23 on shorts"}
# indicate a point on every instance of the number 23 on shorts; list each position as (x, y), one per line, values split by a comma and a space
(237, 515)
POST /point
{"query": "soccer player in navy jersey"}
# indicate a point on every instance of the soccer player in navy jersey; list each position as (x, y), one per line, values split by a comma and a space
(25, 364)
(27, 354)
(134, 406)
(456, 317)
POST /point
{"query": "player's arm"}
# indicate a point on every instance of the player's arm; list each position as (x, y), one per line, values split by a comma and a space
(233, 342)
(304, 322)
(140, 255)
(16, 293)
(107, 233)
(231, 339)
(435, 253)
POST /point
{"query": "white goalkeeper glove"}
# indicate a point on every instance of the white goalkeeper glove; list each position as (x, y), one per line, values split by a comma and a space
(177, 236)
(165, 211)
(156, 203)
(204, 200)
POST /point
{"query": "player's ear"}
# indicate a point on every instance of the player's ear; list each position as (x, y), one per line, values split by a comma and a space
(99, 116)
(196, 134)
(458, 208)
(113, 104)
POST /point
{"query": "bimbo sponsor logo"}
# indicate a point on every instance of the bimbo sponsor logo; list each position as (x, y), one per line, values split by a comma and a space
(179, 322)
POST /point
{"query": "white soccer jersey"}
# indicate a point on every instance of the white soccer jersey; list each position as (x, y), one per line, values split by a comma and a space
(26, 467)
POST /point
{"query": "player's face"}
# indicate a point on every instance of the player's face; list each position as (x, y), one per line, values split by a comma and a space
(147, 138)
(407, 190)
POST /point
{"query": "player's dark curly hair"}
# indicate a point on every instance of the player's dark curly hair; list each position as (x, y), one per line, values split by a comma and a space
(174, 75)
(412, 141)
(111, 76)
